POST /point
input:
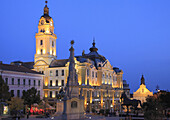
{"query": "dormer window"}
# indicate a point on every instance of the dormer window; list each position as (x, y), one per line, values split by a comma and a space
(41, 42)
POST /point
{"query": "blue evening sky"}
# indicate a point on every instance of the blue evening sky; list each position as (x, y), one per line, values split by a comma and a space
(133, 35)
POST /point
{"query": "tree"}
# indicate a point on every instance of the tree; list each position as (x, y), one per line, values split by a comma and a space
(4, 91)
(31, 96)
(155, 105)
(16, 104)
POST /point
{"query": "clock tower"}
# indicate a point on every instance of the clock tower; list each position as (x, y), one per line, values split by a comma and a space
(45, 40)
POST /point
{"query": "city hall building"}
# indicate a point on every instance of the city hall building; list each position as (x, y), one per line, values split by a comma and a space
(102, 83)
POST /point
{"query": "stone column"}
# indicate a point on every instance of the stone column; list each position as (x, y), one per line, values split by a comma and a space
(90, 105)
(85, 99)
(101, 99)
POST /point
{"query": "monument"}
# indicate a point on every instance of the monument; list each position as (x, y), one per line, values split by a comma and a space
(73, 101)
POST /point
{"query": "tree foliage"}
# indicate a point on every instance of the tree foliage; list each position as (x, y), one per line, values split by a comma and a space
(16, 104)
(4, 91)
(155, 105)
(31, 96)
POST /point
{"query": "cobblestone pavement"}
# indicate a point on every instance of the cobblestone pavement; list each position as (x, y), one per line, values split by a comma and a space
(89, 117)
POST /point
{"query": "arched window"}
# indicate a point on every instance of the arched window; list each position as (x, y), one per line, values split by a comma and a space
(52, 43)
(73, 104)
(41, 42)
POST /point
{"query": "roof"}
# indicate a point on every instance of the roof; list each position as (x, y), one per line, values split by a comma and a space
(17, 68)
(25, 64)
(116, 69)
(59, 63)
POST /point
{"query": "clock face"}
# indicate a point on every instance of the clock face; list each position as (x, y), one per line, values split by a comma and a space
(51, 23)
(42, 22)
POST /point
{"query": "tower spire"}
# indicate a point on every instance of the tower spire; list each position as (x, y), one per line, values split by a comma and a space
(93, 48)
(46, 9)
(142, 80)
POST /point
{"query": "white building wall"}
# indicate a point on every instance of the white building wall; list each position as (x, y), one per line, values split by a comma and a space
(21, 87)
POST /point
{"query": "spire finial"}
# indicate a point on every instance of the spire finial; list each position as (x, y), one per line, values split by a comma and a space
(72, 42)
(46, 9)
(46, 2)
(142, 80)
(94, 41)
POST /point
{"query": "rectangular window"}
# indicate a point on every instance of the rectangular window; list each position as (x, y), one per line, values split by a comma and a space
(51, 93)
(38, 92)
(41, 42)
(12, 81)
(18, 93)
(39, 83)
(6, 80)
(56, 72)
(29, 82)
(87, 72)
(92, 74)
(96, 74)
(62, 73)
(62, 83)
(51, 82)
(12, 93)
(51, 72)
(18, 81)
(56, 93)
(34, 83)
(23, 81)
(88, 95)
(56, 82)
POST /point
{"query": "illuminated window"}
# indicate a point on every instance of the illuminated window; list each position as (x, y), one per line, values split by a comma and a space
(41, 42)
(62, 83)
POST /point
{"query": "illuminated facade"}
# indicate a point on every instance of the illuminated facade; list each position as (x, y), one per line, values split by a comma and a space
(142, 92)
(102, 83)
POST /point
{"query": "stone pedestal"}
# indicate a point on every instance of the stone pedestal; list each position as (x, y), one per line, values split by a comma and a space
(73, 109)
(59, 107)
